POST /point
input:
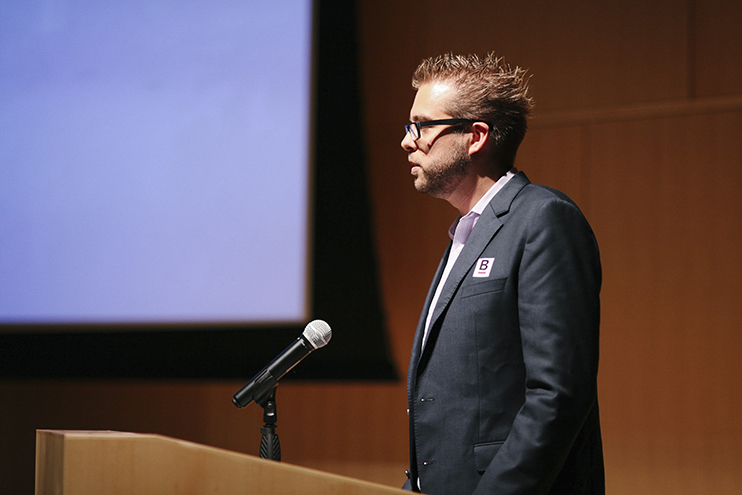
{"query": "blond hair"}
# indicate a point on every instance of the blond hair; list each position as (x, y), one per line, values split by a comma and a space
(487, 89)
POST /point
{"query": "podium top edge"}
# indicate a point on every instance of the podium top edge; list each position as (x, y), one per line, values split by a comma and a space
(93, 433)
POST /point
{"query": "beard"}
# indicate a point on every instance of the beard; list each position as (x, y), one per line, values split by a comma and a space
(443, 174)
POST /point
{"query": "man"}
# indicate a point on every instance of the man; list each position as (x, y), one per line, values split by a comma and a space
(502, 382)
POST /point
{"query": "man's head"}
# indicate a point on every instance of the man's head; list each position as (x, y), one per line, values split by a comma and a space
(483, 89)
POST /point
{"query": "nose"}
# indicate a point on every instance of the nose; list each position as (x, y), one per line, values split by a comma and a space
(408, 144)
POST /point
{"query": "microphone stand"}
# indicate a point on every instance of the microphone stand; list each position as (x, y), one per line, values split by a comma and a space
(270, 448)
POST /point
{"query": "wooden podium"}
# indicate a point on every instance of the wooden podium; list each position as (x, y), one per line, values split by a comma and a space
(115, 463)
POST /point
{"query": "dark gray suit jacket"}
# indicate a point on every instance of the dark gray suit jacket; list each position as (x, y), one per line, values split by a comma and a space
(503, 398)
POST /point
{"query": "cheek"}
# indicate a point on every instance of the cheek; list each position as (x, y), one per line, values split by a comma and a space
(439, 159)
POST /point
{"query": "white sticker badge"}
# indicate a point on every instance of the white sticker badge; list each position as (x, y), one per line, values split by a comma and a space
(483, 268)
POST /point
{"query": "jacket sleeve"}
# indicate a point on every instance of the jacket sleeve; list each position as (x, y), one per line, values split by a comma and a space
(559, 312)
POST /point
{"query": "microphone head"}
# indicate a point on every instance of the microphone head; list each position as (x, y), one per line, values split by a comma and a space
(318, 333)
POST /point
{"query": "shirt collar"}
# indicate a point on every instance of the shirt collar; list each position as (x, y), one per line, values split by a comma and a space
(484, 200)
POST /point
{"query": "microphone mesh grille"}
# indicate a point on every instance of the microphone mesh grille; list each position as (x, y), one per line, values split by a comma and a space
(318, 333)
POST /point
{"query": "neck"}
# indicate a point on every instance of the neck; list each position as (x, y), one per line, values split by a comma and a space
(474, 186)
(470, 192)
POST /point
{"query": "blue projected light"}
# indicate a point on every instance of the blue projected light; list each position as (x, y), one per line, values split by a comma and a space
(154, 161)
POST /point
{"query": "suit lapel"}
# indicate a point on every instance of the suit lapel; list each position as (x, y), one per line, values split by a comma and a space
(417, 344)
(488, 225)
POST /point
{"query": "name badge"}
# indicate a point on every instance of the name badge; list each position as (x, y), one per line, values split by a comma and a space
(483, 267)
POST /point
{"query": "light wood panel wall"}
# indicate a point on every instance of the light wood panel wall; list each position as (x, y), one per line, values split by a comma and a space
(638, 117)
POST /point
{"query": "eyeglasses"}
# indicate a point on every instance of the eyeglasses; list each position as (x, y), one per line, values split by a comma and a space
(413, 128)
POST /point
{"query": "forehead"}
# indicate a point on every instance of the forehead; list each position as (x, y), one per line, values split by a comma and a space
(430, 101)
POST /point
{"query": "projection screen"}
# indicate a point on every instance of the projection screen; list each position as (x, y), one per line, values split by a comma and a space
(154, 161)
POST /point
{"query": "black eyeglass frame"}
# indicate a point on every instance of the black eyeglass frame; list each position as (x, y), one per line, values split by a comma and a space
(414, 129)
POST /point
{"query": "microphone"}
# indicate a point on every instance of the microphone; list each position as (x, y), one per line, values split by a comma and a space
(316, 334)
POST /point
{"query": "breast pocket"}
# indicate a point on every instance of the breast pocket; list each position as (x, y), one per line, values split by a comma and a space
(494, 285)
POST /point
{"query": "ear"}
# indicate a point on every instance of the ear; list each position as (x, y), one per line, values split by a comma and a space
(480, 136)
